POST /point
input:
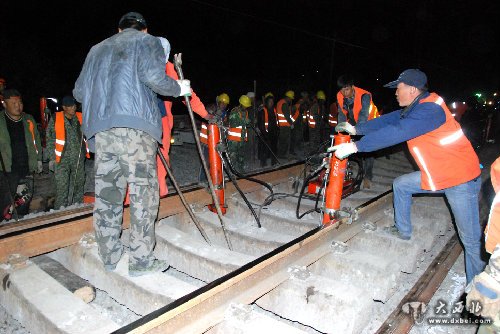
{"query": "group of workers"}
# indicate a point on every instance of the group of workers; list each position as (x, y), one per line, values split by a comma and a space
(127, 113)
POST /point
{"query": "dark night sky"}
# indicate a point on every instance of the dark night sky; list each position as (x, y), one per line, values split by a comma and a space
(226, 45)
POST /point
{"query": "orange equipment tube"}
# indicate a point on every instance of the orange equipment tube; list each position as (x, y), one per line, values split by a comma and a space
(333, 192)
(43, 119)
(216, 172)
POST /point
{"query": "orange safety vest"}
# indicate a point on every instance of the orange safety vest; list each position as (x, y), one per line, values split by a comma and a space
(358, 93)
(492, 231)
(310, 119)
(445, 156)
(266, 118)
(32, 131)
(61, 135)
(204, 133)
(333, 115)
(282, 121)
(235, 133)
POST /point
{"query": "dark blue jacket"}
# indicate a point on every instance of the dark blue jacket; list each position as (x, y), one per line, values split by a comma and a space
(400, 125)
(118, 84)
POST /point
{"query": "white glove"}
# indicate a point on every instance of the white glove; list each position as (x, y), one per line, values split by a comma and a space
(40, 167)
(185, 87)
(346, 127)
(344, 150)
(483, 296)
(52, 166)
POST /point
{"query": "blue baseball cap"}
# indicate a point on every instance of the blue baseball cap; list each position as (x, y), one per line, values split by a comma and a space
(412, 77)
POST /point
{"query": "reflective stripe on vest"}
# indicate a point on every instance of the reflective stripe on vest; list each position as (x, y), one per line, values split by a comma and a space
(424, 166)
(311, 121)
(204, 134)
(234, 134)
(332, 120)
(87, 151)
(452, 138)
(282, 121)
(32, 131)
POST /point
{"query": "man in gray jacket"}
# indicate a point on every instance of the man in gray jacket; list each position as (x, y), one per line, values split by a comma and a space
(118, 88)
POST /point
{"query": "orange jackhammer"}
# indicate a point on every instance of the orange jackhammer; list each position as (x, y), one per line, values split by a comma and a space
(216, 172)
(333, 191)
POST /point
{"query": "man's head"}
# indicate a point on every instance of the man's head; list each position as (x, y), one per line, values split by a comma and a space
(289, 95)
(269, 100)
(245, 101)
(346, 84)
(69, 106)
(410, 84)
(223, 101)
(13, 103)
(132, 20)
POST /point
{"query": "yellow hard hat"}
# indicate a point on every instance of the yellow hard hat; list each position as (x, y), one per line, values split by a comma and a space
(268, 94)
(321, 95)
(290, 94)
(245, 101)
(224, 98)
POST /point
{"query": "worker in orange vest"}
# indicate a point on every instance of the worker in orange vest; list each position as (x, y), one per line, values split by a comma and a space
(237, 134)
(67, 150)
(267, 123)
(355, 106)
(286, 120)
(484, 291)
(448, 164)
(314, 118)
(218, 109)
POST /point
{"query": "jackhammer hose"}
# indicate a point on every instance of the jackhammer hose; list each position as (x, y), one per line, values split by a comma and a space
(228, 172)
(304, 185)
(241, 176)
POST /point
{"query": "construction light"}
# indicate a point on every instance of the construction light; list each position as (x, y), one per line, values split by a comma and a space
(172, 140)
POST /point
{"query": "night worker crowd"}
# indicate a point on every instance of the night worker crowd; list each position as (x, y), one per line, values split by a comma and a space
(126, 87)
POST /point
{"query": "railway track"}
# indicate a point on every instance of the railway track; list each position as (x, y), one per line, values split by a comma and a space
(290, 275)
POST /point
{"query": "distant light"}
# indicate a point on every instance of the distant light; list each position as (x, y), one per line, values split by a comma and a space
(53, 99)
(463, 102)
(317, 71)
(172, 140)
(377, 79)
(478, 94)
(495, 94)
(303, 75)
(453, 114)
(490, 102)
(454, 106)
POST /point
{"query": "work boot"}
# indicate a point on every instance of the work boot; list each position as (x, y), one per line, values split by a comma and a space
(156, 267)
(393, 230)
(367, 184)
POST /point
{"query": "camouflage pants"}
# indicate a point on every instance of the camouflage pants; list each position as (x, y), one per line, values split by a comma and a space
(237, 155)
(64, 175)
(125, 156)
